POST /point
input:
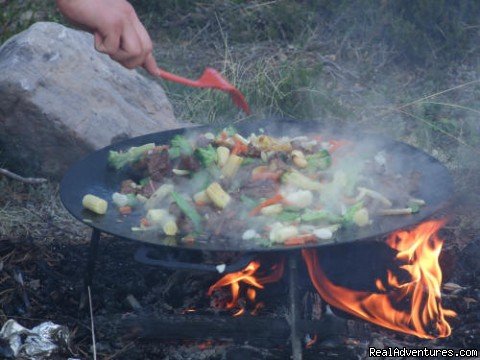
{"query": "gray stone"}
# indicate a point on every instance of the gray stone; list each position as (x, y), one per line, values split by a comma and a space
(60, 99)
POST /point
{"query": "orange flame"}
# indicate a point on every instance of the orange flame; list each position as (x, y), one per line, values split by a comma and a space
(418, 252)
(247, 276)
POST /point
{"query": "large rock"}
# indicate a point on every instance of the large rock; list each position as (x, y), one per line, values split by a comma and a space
(60, 99)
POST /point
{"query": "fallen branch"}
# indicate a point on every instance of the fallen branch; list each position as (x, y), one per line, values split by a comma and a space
(198, 327)
(28, 180)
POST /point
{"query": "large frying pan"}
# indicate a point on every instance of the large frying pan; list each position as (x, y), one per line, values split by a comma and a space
(91, 175)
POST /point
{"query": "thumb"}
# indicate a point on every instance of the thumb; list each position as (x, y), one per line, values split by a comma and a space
(98, 39)
(108, 44)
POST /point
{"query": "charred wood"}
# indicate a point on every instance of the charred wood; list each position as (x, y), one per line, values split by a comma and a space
(198, 327)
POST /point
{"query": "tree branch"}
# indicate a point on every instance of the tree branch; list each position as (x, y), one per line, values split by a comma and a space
(28, 180)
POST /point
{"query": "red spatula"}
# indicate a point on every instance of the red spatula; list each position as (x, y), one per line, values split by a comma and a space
(212, 79)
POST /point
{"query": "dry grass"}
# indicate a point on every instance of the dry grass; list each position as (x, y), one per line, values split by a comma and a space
(35, 212)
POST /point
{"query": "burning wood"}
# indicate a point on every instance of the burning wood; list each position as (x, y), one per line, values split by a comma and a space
(249, 277)
(410, 306)
(408, 301)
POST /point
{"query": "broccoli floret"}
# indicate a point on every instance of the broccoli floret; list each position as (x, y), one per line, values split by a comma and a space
(180, 146)
(230, 130)
(206, 155)
(119, 159)
(320, 160)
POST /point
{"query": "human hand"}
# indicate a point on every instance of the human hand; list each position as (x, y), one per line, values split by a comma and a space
(117, 30)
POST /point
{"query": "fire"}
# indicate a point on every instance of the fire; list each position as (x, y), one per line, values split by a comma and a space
(249, 277)
(411, 305)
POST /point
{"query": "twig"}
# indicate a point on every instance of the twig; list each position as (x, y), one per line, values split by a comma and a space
(435, 127)
(434, 95)
(455, 106)
(94, 346)
(28, 180)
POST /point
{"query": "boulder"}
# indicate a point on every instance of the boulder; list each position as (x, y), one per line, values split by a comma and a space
(60, 99)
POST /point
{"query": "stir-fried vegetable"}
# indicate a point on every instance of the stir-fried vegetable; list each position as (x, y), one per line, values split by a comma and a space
(319, 161)
(374, 195)
(268, 189)
(250, 203)
(349, 217)
(95, 204)
(265, 173)
(162, 219)
(180, 146)
(118, 159)
(206, 155)
(270, 210)
(158, 196)
(232, 165)
(218, 196)
(188, 210)
(222, 155)
(321, 215)
(288, 216)
(301, 198)
(273, 200)
(280, 233)
(201, 198)
(294, 178)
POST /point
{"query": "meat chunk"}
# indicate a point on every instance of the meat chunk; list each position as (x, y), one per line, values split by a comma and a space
(159, 165)
(253, 151)
(128, 187)
(189, 163)
(149, 188)
(222, 223)
(259, 189)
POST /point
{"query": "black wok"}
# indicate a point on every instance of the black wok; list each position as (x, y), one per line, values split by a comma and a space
(91, 175)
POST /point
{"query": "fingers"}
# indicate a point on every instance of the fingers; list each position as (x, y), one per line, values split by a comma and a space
(108, 44)
(129, 43)
(151, 65)
(131, 52)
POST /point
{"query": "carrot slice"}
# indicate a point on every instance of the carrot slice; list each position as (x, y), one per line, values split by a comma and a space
(300, 240)
(125, 210)
(337, 144)
(239, 148)
(273, 200)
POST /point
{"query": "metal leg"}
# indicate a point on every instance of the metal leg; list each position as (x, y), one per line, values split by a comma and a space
(92, 256)
(89, 271)
(294, 311)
